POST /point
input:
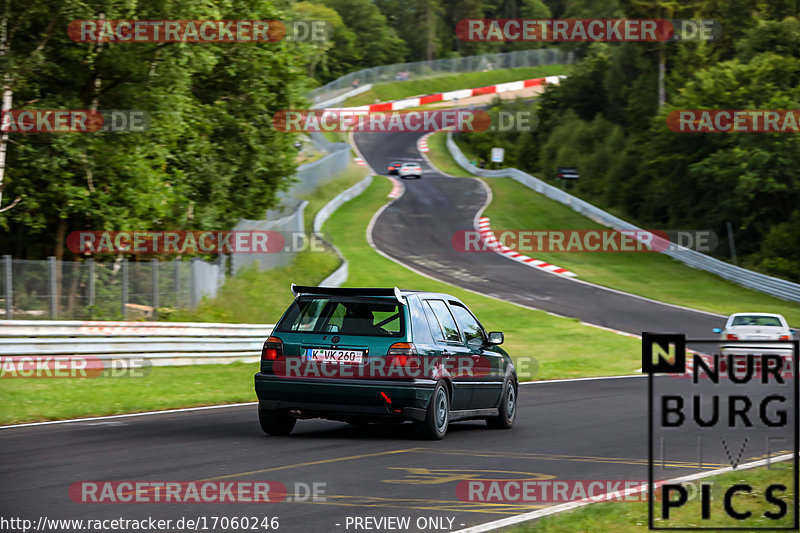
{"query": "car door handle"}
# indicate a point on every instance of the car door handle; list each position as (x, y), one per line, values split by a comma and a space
(446, 353)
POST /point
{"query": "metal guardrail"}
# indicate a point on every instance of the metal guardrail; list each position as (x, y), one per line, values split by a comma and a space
(438, 67)
(159, 343)
(779, 288)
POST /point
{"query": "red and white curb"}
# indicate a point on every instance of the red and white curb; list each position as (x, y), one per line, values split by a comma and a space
(484, 228)
(453, 95)
(422, 143)
(360, 162)
(397, 189)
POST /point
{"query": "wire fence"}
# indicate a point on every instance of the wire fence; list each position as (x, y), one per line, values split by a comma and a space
(440, 67)
(83, 290)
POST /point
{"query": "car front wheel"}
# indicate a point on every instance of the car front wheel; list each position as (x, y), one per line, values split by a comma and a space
(276, 423)
(508, 407)
(434, 427)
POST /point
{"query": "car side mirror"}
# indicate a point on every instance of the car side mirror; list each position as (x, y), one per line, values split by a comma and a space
(717, 330)
(496, 337)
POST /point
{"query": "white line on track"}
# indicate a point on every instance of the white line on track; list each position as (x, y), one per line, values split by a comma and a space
(128, 415)
(525, 517)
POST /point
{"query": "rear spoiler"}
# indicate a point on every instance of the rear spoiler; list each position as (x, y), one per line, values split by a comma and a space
(346, 291)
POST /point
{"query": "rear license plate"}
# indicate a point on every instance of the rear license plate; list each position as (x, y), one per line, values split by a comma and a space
(320, 355)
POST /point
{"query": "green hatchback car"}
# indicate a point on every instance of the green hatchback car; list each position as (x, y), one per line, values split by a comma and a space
(383, 355)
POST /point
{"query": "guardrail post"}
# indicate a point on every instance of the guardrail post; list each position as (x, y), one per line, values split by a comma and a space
(53, 287)
(177, 264)
(91, 283)
(9, 289)
(155, 288)
(124, 287)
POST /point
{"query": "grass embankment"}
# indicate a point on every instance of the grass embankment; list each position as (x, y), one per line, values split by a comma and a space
(396, 90)
(261, 297)
(27, 400)
(631, 517)
(652, 275)
(440, 156)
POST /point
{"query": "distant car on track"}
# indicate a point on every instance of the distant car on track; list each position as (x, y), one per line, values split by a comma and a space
(383, 355)
(394, 167)
(410, 169)
(755, 328)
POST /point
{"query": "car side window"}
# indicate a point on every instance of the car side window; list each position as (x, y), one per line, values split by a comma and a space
(469, 325)
(448, 330)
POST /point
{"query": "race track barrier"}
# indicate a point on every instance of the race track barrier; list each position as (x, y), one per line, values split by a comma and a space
(159, 343)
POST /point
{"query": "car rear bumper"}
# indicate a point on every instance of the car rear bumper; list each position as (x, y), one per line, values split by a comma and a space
(782, 350)
(336, 398)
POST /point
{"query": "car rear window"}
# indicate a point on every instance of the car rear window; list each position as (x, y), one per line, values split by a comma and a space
(345, 316)
(756, 320)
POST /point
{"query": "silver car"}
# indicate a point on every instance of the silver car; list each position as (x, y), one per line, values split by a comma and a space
(410, 169)
(755, 328)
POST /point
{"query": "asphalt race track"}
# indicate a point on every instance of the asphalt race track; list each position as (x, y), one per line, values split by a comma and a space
(566, 430)
(417, 230)
(590, 429)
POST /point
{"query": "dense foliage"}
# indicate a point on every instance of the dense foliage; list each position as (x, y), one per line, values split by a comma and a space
(210, 156)
(605, 119)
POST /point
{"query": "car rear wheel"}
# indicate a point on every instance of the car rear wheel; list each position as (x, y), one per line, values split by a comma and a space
(276, 423)
(434, 427)
(508, 408)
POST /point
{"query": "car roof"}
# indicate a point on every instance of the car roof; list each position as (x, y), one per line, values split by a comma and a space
(410, 163)
(776, 315)
(385, 292)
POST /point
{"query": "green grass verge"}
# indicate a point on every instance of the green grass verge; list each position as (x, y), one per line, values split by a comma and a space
(262, 296)
(26, 400)
(440, 155)
(652, 275)
(631, 517)
(558, 344)
(384, 92)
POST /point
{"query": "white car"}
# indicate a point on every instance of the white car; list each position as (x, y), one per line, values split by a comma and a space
(754, 328)
(410, 169)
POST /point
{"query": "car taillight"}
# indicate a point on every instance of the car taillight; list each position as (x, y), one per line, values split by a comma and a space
(731, 337)
(402, 354)
(272, 350)
(785, 338)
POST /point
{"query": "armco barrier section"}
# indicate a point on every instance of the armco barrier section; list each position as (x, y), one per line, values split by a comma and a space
(159, 343)
(779, 288)
(454, 96)
(438, 67)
